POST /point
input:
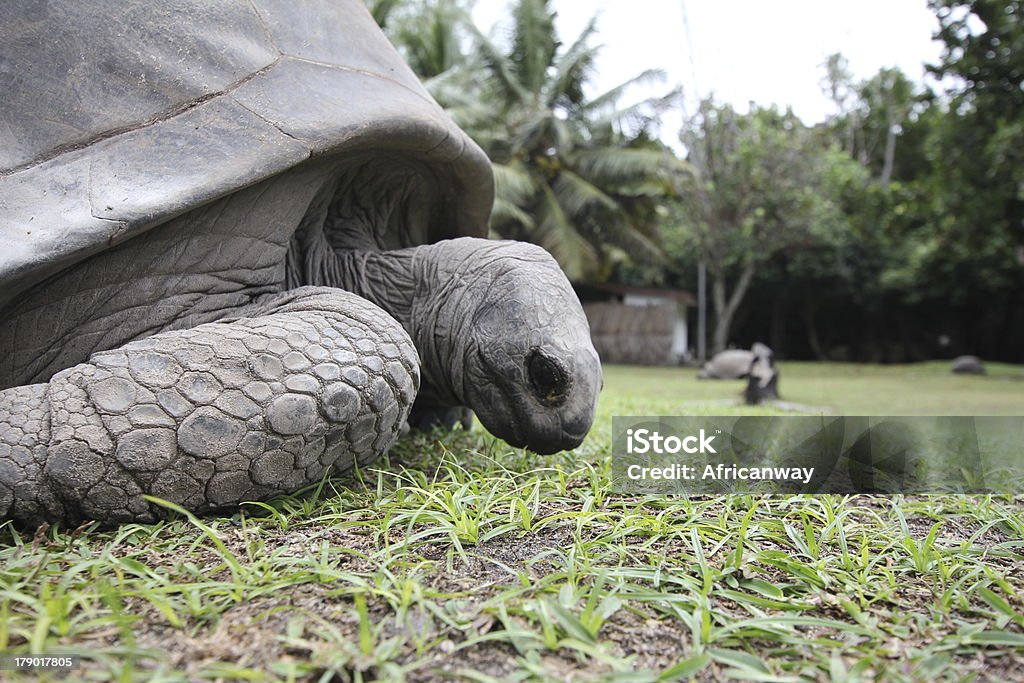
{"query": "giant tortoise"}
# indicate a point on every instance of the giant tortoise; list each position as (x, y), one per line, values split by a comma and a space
(239, 241)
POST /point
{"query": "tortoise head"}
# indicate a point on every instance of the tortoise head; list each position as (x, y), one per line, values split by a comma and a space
(527, 367)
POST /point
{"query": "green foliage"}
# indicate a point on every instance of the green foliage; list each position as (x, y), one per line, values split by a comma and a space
(915, 227)
(757, 193)
(433, 39)
(574, 173)
(981, 143)
(756, 188)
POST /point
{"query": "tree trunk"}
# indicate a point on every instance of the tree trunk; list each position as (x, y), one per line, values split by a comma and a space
(720, 334)
(726, 305)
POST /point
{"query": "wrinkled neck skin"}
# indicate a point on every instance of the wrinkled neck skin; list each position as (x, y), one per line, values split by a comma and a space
(412, 285)
(498, 329)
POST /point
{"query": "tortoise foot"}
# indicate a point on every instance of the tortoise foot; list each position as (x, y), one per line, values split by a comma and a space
(209, 417)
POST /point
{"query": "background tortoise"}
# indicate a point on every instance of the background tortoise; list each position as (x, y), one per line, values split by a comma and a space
(757, 366)
(185, 193)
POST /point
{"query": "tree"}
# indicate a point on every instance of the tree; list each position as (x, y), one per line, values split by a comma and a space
(754, 194)
(433, 40)
(929, 233)
(888, 99)
(838, 84)
(576, 174)
(977, 243)
(869, 114)
(982, 140)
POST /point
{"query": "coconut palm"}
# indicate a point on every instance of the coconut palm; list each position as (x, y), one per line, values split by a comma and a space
(575, 174)
(435, 37)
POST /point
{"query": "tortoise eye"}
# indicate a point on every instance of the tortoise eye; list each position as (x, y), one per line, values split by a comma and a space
(548, 379)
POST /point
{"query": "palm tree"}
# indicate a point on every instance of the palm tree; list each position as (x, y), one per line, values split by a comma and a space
(436, 39)
(575, 174)
(433, 39)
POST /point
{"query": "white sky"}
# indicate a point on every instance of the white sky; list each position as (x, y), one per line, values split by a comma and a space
(744, 50)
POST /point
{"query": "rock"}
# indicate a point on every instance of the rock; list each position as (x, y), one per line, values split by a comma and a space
(967, 365)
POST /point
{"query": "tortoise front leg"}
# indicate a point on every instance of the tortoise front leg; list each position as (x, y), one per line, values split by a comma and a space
(211, 416)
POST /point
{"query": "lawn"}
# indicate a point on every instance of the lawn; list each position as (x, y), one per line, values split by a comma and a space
(462, 559)
(846, 388)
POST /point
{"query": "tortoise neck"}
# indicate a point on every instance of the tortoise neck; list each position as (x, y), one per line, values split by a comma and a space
(386, 278)
(420, 288)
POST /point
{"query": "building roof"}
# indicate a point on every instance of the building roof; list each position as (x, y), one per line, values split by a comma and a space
(678, 295)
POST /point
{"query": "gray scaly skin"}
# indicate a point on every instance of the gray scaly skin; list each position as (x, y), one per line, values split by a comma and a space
(275, 395)
(210, 416)
(498, 328)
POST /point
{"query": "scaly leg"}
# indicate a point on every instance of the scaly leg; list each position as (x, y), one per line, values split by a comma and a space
(241, 409)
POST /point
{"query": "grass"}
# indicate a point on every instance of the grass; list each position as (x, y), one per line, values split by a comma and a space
(846, 388)
(463, 559)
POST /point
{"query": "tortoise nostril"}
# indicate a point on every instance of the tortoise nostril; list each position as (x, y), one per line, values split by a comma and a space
(549, 380)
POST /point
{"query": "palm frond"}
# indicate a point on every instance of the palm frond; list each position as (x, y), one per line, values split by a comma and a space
(556, 233)
(533, 131)
(499, 68)
(611, 97)
(649, 187)
(639, 115)
(572, 69)
(513, 183)
(562, 135)
(431, 44)
(457, 91)
(452, 88)
(576, 194)
(563, 177)
(504, 212)
(534, 43)
(609, 165)
(616, 231)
